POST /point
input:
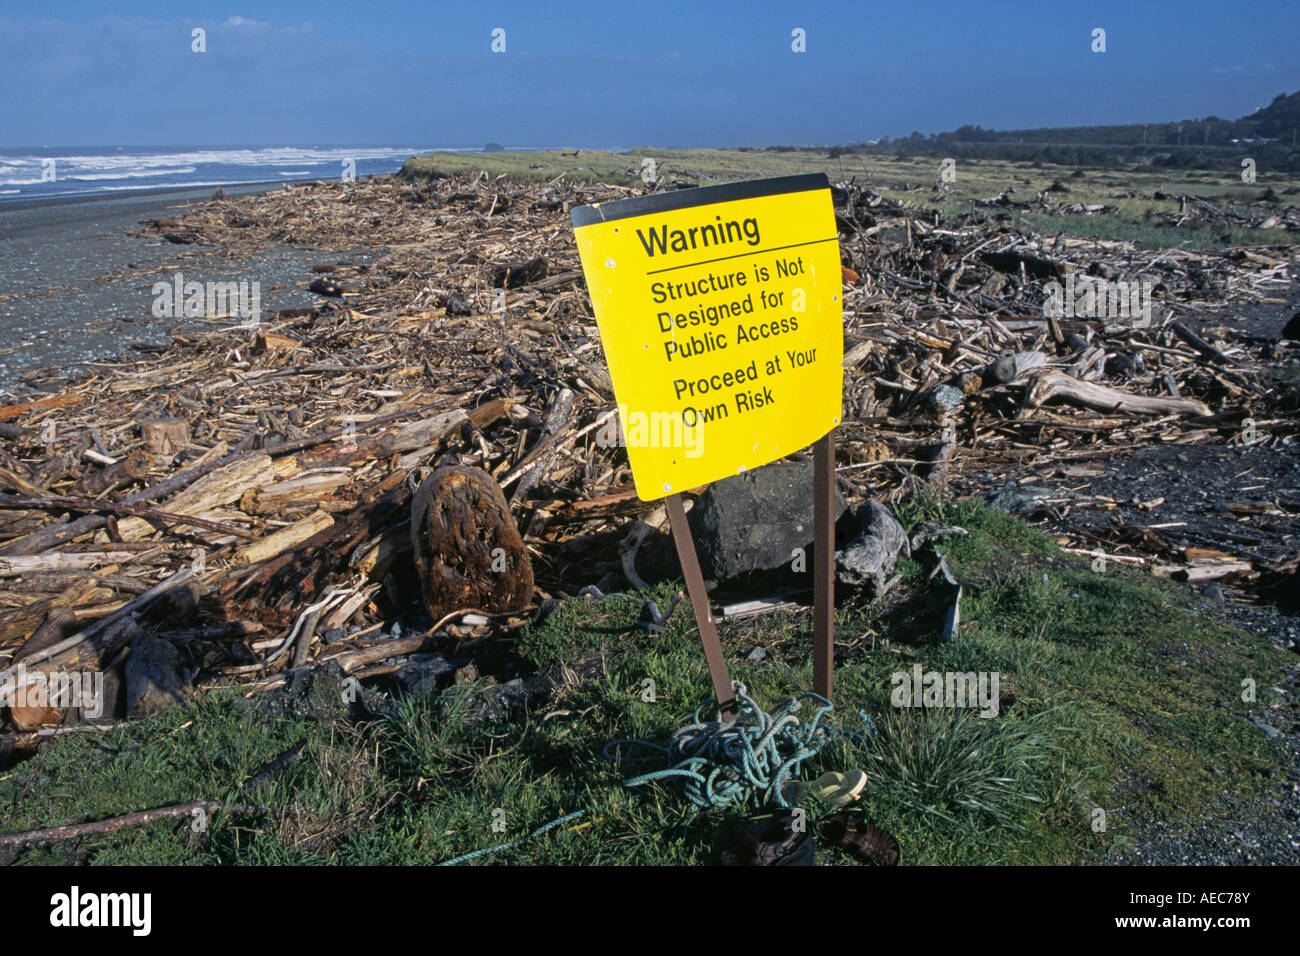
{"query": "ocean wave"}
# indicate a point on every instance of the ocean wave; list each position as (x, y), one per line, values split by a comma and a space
(267, 156)
(135, 187)
(140, 174)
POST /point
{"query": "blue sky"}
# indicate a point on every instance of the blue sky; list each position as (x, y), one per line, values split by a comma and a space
(621, 74)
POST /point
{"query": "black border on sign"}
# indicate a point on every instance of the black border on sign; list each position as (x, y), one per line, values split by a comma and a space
(698, 196)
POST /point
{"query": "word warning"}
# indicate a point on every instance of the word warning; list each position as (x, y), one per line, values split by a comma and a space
(722, 320)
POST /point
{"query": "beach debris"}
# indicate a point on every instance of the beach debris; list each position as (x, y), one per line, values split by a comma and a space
(513, 275)
(852, 832)
(468, 553)
(948, 591)
(878, 542)
(283, 458)
(326, 287)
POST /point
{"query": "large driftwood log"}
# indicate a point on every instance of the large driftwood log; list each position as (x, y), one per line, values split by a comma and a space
(221, 487)
(1104, 398)
(288, 537)
(305, 489)
(407, 437)
(468, 552)
(35, 707)
(93, 645)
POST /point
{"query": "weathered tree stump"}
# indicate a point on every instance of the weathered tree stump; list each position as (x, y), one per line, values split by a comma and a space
(468, 552)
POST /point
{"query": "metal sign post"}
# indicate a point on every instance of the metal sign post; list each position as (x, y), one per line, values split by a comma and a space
(824, 565)
(700, 605)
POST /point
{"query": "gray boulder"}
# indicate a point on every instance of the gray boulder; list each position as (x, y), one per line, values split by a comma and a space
(752, 523)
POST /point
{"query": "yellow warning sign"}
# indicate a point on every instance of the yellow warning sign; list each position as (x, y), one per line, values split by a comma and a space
(722, 320)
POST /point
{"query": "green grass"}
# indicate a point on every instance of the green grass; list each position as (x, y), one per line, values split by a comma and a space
(1118, 693)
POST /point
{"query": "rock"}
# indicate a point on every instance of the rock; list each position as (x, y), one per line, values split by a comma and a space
(326, 287)
(1214, 593)
(870, 556)
(753, 522)
(756, 655)
(468, 552)
(327, 694)
(219, 194)
(872, 519)
(1272, 732)
(421, 678)
(153, 676)
(491, 702)
(945, 398)
(458, 306)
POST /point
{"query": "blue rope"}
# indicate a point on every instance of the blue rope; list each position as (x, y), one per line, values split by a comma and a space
(741, 761)
(514, 843)
(731, 763)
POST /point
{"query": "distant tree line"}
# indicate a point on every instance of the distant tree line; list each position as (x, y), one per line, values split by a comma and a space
(1270, 136)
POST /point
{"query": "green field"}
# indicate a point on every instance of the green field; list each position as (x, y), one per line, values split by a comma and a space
(912, 181)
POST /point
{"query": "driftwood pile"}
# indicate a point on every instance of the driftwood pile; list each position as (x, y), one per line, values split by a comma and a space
(247, 500)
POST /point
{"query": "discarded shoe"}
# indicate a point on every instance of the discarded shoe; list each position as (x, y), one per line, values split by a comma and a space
(833, 789)
(860, 838)
(770, 841)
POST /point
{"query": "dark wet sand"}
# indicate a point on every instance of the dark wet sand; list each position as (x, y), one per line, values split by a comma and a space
(55, 312)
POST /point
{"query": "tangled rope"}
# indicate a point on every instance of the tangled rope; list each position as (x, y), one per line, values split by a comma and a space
(741, 761)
